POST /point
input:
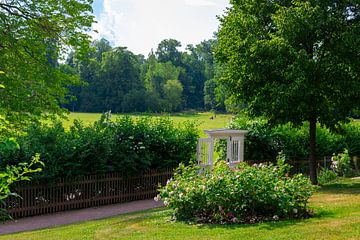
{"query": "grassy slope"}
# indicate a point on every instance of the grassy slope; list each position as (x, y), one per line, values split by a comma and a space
(337, 208)
(202, 118)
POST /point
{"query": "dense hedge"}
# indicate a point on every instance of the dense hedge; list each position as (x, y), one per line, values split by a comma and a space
(124, 145)
(247, 194)
(264, 143)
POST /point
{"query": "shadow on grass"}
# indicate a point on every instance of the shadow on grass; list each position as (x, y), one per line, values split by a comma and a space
(342, 187)
(271, 225)
(263, 225)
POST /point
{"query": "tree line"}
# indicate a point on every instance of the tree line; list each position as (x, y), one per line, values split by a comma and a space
(168, 80)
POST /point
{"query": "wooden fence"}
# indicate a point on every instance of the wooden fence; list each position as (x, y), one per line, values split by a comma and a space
(91, 191)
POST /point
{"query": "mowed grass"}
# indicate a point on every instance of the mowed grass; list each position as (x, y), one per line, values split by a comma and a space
(337, 208)
(205, 120)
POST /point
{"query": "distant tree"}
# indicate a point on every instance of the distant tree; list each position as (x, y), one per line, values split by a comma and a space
(135, 101)
(88, 99)
(167, 51)
(101, 46)
(199, 65)
(119, 74)
(293, 61)
(210, 94)
(34, 34)
(173, 94)
(158, 73)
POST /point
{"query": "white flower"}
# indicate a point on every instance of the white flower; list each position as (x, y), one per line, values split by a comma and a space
(131, 137)
(295, 210)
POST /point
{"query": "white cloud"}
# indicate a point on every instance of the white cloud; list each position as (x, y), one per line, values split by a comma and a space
(109, 23)
(141, 24)
(202, 3)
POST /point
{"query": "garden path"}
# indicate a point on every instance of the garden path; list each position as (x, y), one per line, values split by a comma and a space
(69, 217)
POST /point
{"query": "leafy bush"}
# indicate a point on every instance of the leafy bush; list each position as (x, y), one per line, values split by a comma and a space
(14, 173)
(341, 164)
(263, 142)
(125, 145)
(241, 195)
(326, 176)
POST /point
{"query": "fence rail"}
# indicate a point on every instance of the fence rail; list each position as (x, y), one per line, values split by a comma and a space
(90, 191)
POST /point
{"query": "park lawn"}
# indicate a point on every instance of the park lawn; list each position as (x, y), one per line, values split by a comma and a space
(337, 208)
(203, 119)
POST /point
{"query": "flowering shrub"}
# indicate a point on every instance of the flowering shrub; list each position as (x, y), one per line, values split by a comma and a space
(246, 194)
(341, 164)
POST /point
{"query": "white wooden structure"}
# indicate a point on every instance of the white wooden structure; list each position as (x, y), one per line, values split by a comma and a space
(235, 147)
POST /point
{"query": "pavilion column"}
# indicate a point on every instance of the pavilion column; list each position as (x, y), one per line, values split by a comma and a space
(241, 149)
(211, 152)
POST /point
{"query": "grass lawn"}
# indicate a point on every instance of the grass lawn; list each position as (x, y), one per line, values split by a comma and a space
(202, 118)
(337, 208)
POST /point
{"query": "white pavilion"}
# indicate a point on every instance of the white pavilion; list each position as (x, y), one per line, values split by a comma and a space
(234, 147)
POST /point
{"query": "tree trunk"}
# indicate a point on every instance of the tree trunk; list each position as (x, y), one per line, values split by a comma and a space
(312, 156)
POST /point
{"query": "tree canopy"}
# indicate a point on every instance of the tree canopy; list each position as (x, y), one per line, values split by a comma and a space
(167, 80)
(293, 61)
(34, 35)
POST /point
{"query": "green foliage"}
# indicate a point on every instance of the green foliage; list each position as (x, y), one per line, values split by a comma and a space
(11, 174)
(293, 61)
(167, 51)
(341, 164)
(326, 176)
(168, 80)
(246, 194)
(34, 35)
(126, 145)
(173, 94)
(263, 142)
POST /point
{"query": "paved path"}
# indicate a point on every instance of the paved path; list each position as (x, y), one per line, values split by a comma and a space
(68, 217)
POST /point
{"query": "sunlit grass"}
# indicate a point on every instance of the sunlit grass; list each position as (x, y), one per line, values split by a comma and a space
(206, 120)
(337, 216)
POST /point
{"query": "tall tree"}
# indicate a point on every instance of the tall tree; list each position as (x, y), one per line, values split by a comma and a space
(34, 34)
(167, 51)
(294, 60)
(173, 94)
(119, 74)
(101, 46)
(158, 73)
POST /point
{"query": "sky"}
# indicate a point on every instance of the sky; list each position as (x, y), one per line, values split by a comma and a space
(141, 24)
